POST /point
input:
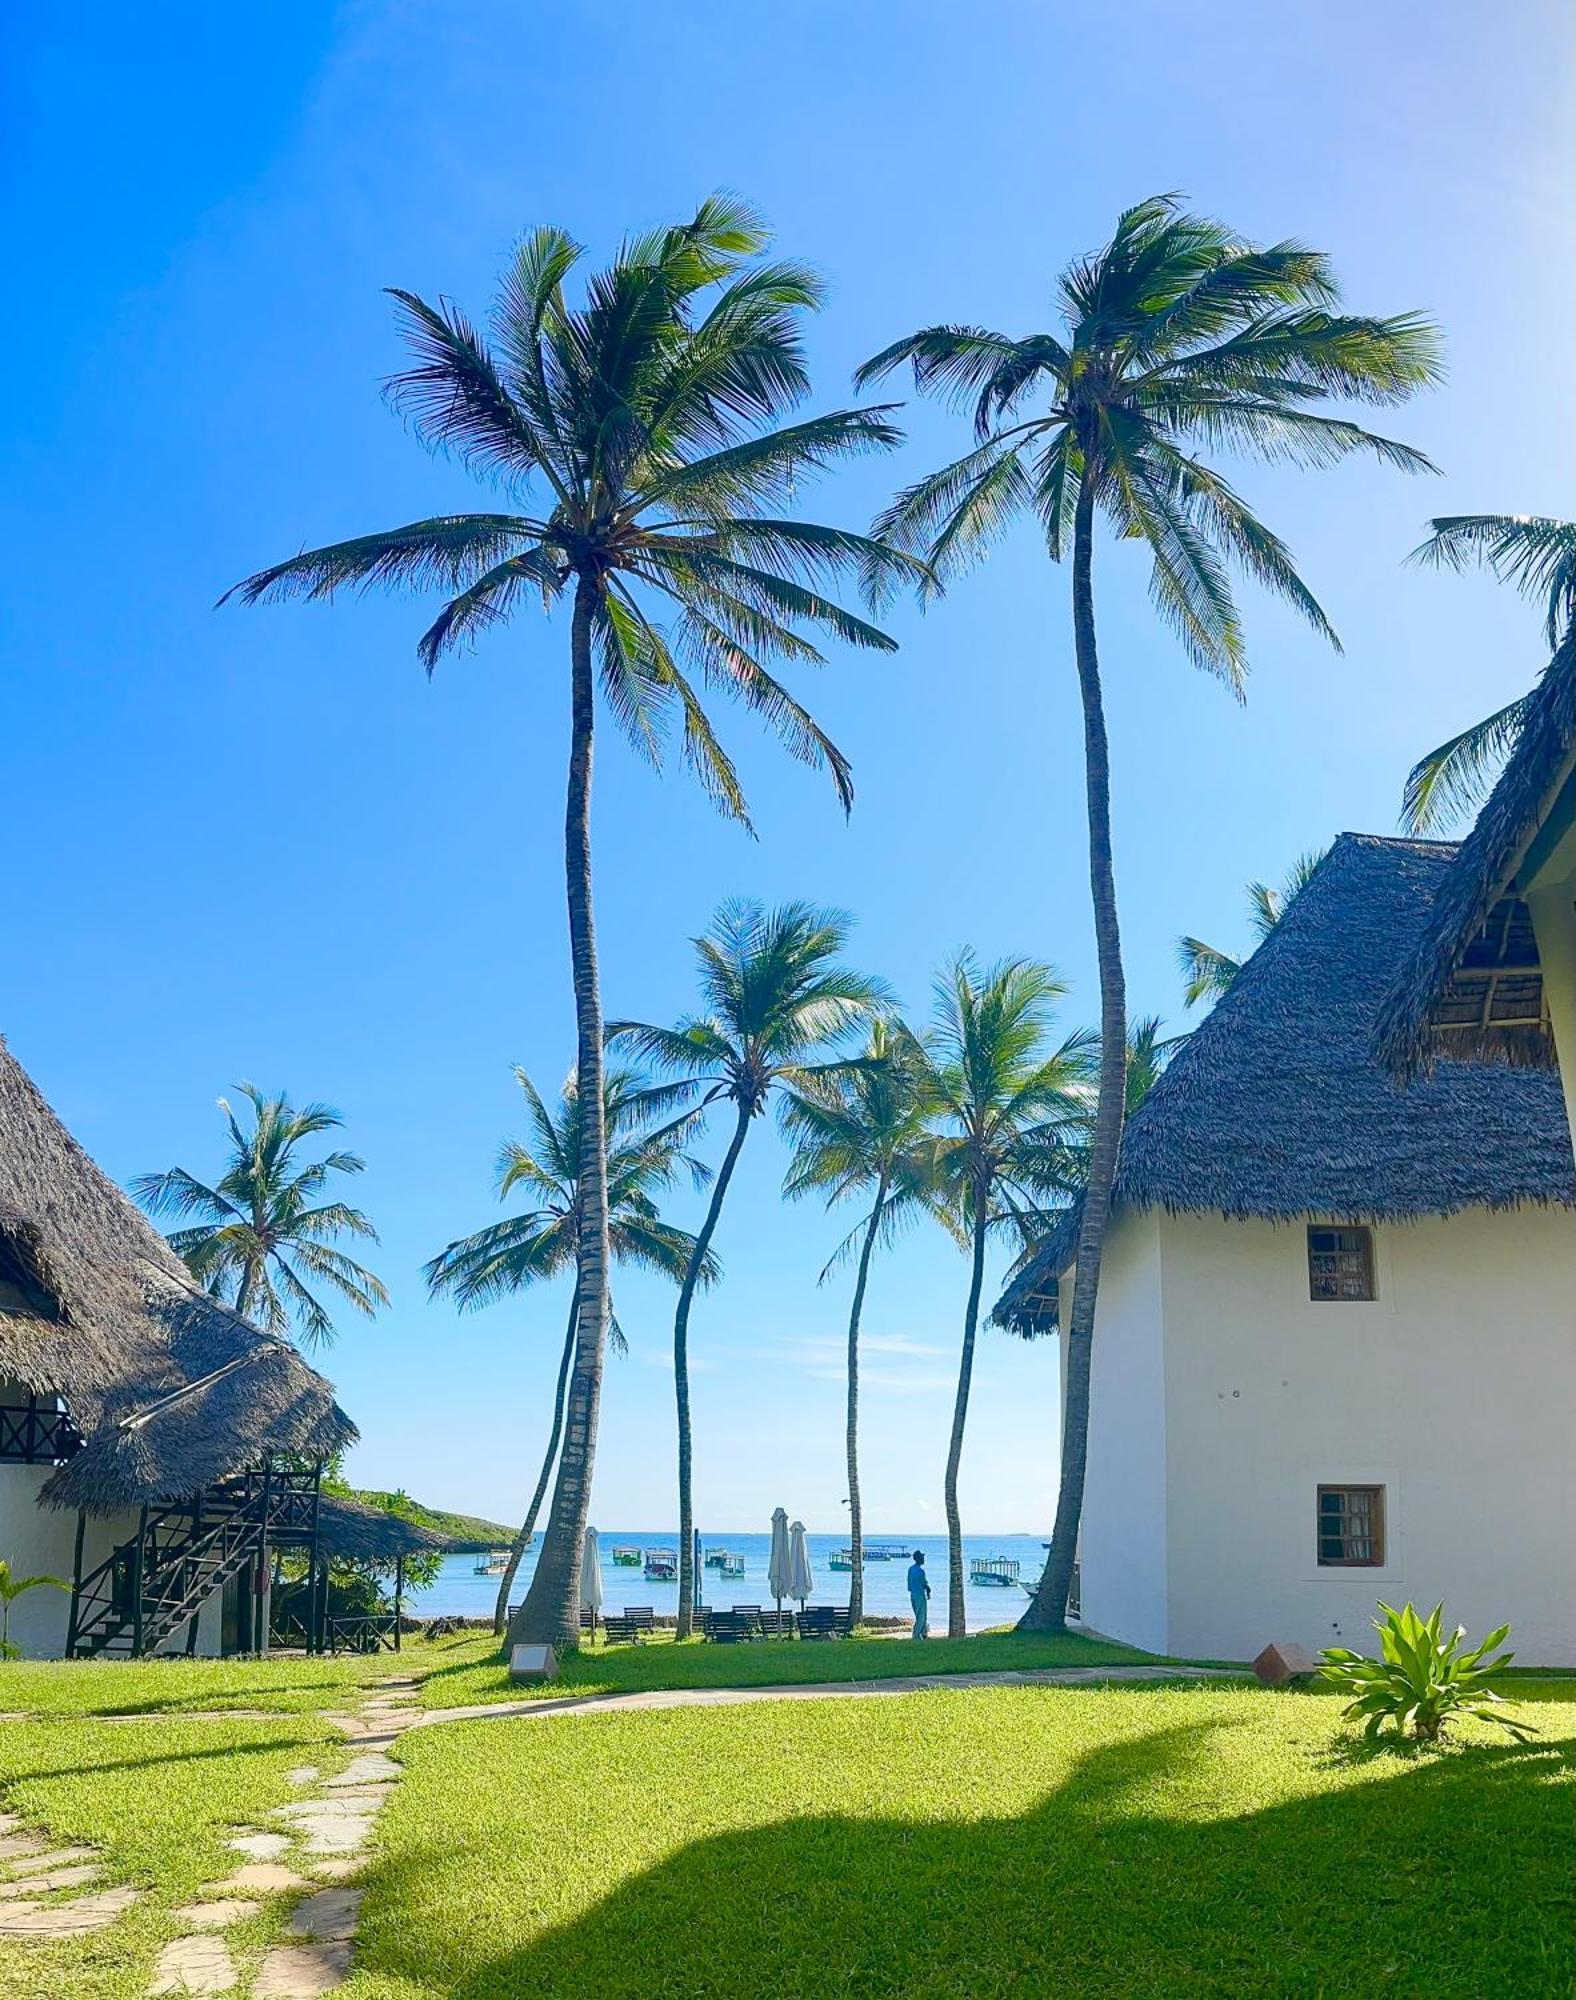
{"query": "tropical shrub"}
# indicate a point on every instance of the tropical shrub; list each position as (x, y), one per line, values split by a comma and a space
(11, 1588)
(1422, 1680)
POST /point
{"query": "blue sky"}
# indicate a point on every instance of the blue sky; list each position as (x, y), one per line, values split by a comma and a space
(259, 844)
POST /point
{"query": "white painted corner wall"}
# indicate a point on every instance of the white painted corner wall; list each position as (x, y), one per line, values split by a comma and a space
(1223, 1396)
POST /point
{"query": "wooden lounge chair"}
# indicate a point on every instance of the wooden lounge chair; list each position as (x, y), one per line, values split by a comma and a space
(823, 1621)
(622, 1630)
(775, 1624)
(642, 1616)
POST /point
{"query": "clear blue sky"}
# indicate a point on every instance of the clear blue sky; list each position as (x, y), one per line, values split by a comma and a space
(259, 844)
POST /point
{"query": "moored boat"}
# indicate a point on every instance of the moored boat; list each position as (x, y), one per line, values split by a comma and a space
(999, 1570)
(626, 1557)
(493, 1563)
(662, 1566)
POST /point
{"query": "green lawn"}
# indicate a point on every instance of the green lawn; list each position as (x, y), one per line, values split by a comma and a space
(476, 1672)
(1138, 1841)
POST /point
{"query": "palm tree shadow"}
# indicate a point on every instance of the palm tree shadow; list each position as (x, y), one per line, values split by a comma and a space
(1099, 1889)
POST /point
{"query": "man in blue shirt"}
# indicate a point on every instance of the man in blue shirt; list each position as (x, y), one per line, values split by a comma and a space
(919, 1595)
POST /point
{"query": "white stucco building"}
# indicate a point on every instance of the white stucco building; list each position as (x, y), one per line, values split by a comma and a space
(1335, 1349)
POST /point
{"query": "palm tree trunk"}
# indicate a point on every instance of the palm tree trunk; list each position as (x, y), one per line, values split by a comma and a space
(957, 1624)
(522, 1541)
(1047, 1611)
(692, 1273)
(551, 1611)
(856, 1528)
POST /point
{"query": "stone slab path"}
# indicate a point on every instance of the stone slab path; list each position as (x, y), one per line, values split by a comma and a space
(717, 1697)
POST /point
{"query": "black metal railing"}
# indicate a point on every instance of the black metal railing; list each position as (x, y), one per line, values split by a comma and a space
(35, 1433)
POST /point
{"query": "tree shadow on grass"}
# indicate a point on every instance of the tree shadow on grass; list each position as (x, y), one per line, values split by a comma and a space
(1447, 1876)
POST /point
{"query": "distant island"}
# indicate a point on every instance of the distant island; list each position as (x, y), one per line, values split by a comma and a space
(468, 1532)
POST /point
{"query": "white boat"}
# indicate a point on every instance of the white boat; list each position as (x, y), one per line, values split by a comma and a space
(1000, 1570)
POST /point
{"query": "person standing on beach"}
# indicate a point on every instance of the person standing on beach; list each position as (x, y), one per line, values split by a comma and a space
(919, 1595)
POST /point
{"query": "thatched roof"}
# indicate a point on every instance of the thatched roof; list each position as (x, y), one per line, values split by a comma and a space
(96, 1307)
(1449, 996)
(359, 1533)
(1277, 1107)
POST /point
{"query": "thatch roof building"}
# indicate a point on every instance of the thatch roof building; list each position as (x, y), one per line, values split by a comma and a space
(1335, 1345)
(1277, 1107)
(168, 1389)
(155, 1446)
(1475, 983)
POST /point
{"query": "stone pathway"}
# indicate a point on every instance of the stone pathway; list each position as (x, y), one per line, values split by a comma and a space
(33, 1879)
(613, 1704)
(317, 1840)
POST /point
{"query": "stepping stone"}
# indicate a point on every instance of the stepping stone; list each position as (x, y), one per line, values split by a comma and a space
(56, 1857)
(301, 1972)
(304, 1774)
(64, 1920)
(216, 1916)
(260, 1846)
(329, 1915)
(302, 1811)
(267, 1877)
(9, 1822)
(194, 1965)
(14, 1845)
(369, 1770)
(343, 1869)
(52, 1878)
(337, 1836)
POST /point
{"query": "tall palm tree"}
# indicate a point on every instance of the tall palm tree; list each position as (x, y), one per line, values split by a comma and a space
(262, 1229)
(1537, 555)
(1011, 1112)
(508, 1257)
(863, 1133)
(1177, 335)
(645, 420)
(777, 1004)
(1207, 971)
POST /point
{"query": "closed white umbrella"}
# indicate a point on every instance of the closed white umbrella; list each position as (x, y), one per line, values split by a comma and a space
(777, 1562)
(801, 1580)
(591, 1576)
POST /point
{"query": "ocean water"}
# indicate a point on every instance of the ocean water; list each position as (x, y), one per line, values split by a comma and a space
(458, 1592)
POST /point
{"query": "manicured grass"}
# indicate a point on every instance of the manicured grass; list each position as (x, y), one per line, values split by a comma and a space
(160, 1798)
(168, 1686)
(973, 1843)
(477, 1672)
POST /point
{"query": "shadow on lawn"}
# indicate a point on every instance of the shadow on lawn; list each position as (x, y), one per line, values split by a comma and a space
(1448, 1876)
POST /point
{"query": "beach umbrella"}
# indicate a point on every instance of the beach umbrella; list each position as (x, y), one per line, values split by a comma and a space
(591, 1576)
(800, 1579)
(777, 1562)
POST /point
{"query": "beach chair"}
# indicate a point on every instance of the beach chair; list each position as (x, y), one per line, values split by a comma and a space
(750, 1614)
(727, 1628)
(775, 1624)
(620, 1630)
(819, 1621)
(642, 1616)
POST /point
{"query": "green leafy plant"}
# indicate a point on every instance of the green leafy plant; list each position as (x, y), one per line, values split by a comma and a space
(11, 1588)
(1422, 1680)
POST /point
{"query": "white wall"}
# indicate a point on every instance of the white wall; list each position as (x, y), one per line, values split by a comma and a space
(41, 1541)
(1453, 1389)
(1122, 1545)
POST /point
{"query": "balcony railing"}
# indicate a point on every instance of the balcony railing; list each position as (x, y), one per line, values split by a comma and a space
(35, 1433)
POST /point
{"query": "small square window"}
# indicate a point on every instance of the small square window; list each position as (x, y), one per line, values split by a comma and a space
(1340, 1264)
(1350, 1527)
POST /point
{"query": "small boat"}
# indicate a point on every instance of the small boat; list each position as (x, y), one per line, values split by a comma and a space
(887, 1552)
(662, 1566)
(626, 1557)
(1001, 1570)
(842, 1559)
(730, 1565)
(721, 1559)
(494, 1563)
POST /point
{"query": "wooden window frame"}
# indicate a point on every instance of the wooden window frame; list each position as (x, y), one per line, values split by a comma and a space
(1375, 1536)
(1362, 1249)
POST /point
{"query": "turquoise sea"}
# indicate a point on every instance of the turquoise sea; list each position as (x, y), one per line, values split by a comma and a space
(459, 1592)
